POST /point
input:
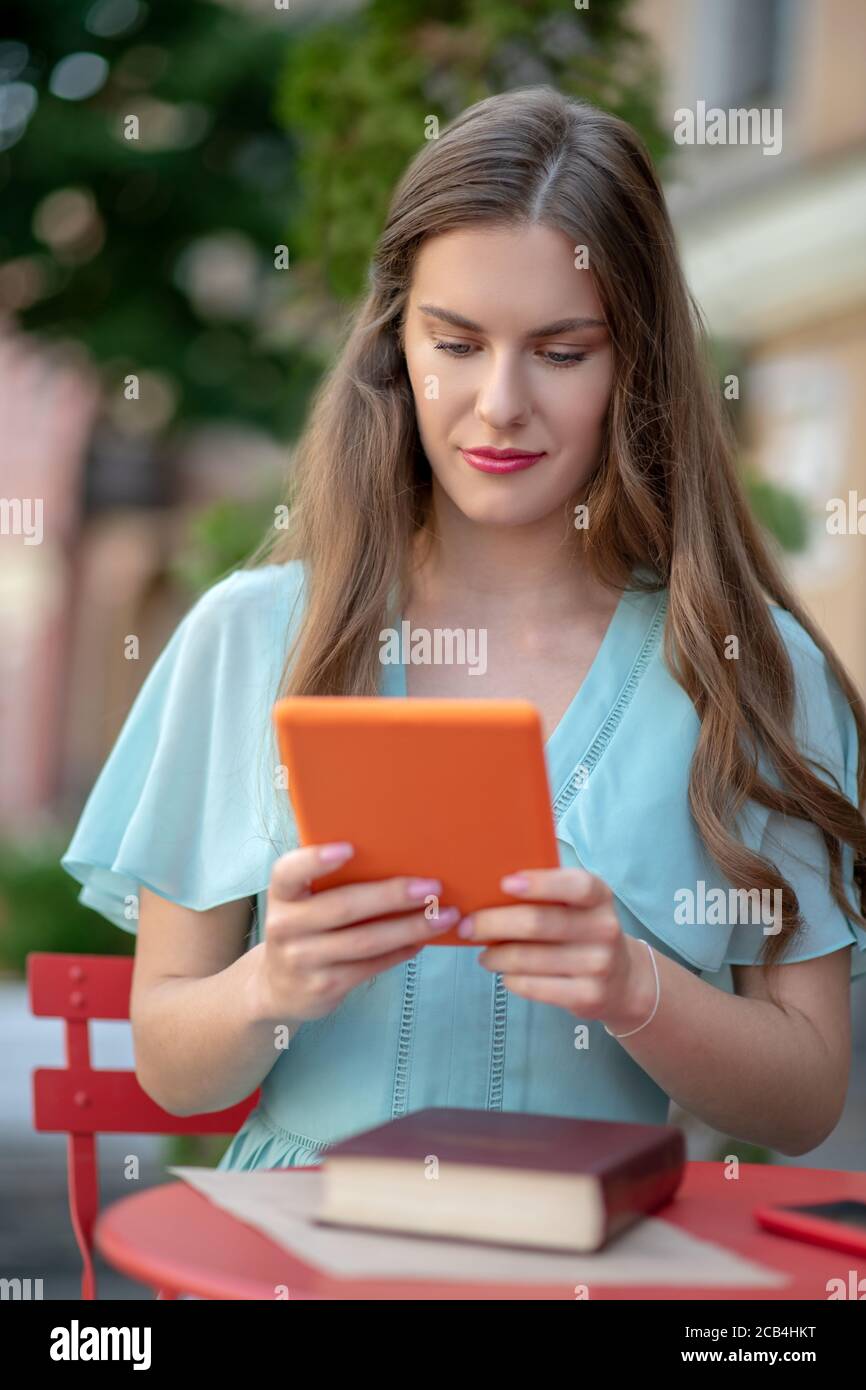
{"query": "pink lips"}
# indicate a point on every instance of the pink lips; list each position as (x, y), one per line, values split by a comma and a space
(499, 460)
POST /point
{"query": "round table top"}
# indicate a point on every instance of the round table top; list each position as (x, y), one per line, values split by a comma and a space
(173, 1238)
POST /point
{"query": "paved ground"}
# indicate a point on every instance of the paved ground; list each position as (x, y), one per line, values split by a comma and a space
(36, 1239)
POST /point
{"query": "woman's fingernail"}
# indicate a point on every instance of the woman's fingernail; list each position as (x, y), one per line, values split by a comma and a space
(421, 887)
(467, 927)
(447, 917)
(515, 883)
(330, 854)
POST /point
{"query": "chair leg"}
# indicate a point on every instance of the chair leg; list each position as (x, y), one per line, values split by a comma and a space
(88, 1278)
(83, 1203)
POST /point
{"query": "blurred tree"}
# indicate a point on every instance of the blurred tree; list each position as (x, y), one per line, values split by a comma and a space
(356, 92)
(778, 509)
(157, 252)
(153, 246)
(219, 538)
(40, 911)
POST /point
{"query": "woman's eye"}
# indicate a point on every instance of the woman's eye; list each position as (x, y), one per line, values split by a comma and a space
(453, 348)
(566, 359)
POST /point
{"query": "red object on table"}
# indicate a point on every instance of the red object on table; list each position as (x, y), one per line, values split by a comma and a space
(174, 1237)
(83, 1102)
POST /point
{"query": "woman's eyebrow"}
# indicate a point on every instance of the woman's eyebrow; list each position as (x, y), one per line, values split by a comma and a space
(547, 330)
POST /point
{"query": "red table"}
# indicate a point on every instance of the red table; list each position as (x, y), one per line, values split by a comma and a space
(172, 1237)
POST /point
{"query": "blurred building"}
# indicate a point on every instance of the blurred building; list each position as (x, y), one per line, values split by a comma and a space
(773, 237)
(92, 523)
(47, 408)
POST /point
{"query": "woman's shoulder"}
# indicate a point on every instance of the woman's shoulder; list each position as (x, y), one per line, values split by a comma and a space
(638, 793)
(798, 641)
(184, 800)
(824, 718)
(249, 614)
(261, 591)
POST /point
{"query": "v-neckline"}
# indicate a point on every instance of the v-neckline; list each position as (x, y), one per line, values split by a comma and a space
(592, 701)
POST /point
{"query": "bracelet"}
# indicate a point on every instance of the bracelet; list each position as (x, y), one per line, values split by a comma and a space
(655, 1006)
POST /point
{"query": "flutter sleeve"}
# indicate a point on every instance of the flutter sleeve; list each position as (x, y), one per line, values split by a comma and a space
(631, 825)
(188, 803)
(826, 734)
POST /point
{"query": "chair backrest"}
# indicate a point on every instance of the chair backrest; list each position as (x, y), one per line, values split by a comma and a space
(82, 1102)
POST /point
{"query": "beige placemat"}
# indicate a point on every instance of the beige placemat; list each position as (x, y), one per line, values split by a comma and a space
(282, 1205)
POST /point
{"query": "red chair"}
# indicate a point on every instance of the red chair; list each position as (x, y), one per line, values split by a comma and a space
(83, 1102)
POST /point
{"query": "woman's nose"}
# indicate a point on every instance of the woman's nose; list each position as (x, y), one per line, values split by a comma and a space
(503, 395)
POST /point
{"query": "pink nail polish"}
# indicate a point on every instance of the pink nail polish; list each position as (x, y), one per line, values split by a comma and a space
(447, 917)
(331, 854)
(515, 883)
(424, 888)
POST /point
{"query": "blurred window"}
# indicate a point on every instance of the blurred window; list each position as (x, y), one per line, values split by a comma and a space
(741, 50)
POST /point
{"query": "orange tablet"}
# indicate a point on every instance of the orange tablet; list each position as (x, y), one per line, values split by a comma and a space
(442, 788)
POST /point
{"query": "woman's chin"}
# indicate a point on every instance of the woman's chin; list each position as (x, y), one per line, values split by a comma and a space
(502, 511)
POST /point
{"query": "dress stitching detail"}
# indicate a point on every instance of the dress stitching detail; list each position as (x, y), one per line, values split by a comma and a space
(404, 1042)
(497, 1044)
(265, 1119)
(599, 745)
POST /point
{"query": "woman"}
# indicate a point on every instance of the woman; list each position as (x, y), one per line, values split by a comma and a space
(704, 744)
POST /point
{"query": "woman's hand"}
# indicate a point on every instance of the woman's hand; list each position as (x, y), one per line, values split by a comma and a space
(314, 952)
(566, 947)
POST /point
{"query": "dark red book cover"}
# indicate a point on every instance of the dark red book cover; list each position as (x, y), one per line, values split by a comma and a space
(639, 1167)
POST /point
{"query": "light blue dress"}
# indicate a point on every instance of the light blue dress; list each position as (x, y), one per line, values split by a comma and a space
(186, 804)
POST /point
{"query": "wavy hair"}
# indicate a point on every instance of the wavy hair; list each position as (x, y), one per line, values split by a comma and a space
(666, 494)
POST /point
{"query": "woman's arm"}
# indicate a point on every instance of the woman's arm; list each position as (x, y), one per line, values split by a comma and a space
(771, 1073)
(210, 1019)
(774, 1074)
(199, 1042)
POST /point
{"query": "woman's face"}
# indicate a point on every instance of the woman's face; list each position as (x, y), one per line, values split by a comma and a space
(493, 366)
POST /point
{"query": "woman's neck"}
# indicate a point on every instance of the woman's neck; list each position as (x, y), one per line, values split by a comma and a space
(522, 573)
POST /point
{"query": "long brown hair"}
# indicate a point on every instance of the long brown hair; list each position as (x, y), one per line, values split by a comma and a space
(666, 494)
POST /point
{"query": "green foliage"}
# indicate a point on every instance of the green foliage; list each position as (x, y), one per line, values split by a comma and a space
(221, 537)
(210, 160)
(745, 1151)
(781, 512)
(39, 909)
(778, 510)
(356, 92)
(195, 1150)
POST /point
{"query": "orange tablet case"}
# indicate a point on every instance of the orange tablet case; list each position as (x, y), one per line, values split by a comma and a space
(451, 789)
